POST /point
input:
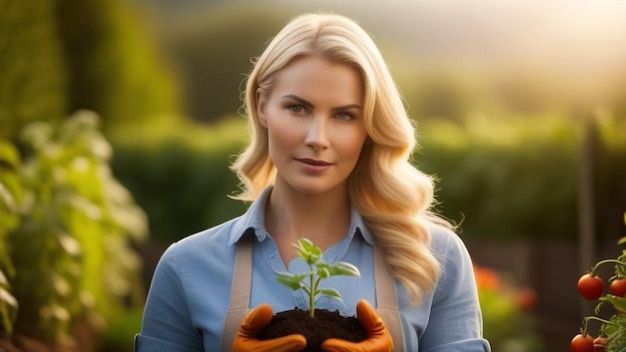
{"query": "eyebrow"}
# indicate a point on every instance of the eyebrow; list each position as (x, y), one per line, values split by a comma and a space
(309, 105)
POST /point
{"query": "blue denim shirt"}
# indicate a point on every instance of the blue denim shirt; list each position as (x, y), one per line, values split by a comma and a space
(190, 290)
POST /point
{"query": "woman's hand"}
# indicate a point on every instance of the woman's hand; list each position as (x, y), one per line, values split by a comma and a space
(378, 340)
(247, 341)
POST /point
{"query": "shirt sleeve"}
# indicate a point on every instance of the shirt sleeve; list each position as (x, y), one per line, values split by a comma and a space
(167, 324)
(455, 322)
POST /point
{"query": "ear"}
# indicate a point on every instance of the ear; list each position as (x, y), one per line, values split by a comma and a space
(260, 110)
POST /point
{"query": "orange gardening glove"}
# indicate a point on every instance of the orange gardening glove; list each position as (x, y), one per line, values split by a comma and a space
(379, 339)
(246, 339)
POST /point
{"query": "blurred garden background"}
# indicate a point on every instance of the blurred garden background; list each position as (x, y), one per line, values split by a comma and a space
(119, 119)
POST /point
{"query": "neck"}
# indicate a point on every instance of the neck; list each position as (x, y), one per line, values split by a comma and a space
(324, 219)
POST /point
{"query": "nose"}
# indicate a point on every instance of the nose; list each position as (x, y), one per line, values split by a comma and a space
(317, 133)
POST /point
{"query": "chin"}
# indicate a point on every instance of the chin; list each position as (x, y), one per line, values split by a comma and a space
(313, 188)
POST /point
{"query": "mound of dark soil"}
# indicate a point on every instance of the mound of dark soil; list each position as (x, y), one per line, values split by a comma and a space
(326, 324)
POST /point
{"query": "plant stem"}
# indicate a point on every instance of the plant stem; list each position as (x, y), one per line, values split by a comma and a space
(312, 295)
(605, 261)
(586, 323)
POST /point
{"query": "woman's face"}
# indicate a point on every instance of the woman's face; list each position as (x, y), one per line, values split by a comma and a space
(314, 121)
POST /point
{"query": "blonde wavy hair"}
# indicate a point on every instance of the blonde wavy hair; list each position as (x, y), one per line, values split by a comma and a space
(393, 197)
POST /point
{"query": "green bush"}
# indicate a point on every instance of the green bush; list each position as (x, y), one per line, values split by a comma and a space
(11, 196)
(504, 178)
(64, 55)
(32, 73)
(212, 51)
(610, 165)
(508, 323)
(113, 67)
(518, 178)
(120, 332)
(181, 175)
(71, 248)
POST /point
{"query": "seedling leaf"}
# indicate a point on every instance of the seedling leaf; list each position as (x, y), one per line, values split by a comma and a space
(293, 281)
(331, 292)
(343, 268)
(318, 270)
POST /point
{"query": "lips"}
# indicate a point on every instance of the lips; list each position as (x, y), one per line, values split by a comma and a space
(314, 162)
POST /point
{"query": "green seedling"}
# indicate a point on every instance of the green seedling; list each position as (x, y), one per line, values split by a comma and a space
(318, 271)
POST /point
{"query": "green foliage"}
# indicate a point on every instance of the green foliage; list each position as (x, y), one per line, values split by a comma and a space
(610, 173)
(507, 321)
(613, 329)
(211, 66)
(71, 250)
(33, 81)
(616, 332)
(318, 270)
(64, 55)
(506, 327)
(114, 69)
(120, 331)
(505, 178)
(10, 197)
(181, 175)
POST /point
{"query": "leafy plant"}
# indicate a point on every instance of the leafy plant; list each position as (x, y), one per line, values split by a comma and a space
(67, 227)
(508, 322)
(318, 270)
(10, 197)
(612, 331)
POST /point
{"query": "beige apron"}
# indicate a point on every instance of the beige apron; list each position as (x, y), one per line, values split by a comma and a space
(240, 296)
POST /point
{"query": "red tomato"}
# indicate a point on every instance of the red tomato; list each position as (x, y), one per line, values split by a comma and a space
(618, 287)
(582, 343)
(590, 287)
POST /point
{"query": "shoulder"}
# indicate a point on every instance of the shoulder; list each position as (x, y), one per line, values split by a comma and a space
(210, 244)
(447, 246)
(443, 237)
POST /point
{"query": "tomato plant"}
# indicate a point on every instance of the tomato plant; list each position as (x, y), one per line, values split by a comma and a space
(590, 286)
(582, 343)
(612, 331)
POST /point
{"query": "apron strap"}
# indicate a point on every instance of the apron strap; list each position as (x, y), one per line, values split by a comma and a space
(386, 299)
(239, 292)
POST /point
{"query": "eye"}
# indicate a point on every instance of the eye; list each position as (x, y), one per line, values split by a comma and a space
(344, 116)
(296, 108)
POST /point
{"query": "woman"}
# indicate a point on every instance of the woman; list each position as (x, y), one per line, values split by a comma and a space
(329, 161)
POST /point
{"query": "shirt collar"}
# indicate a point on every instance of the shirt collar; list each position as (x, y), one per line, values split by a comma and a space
(357, 225)
(254, 219)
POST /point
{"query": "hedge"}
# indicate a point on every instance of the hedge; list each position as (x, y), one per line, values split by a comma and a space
(181, 175)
